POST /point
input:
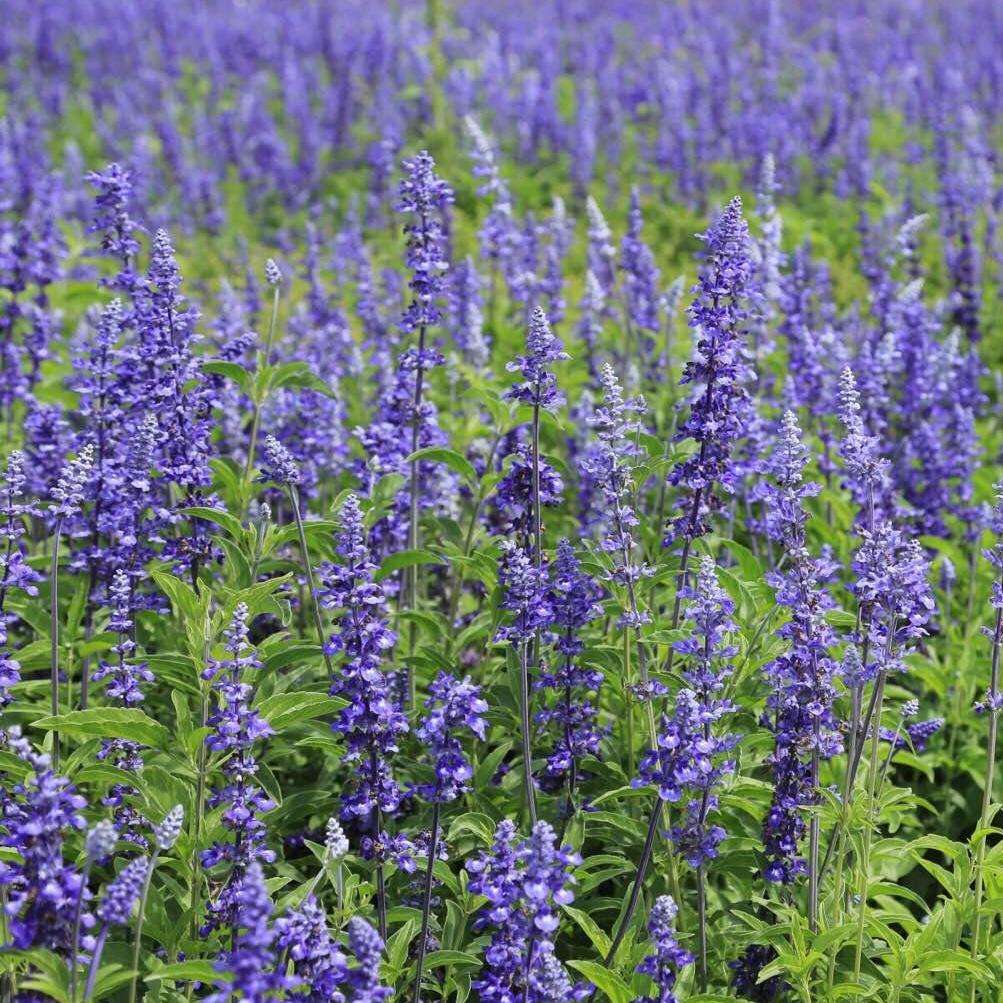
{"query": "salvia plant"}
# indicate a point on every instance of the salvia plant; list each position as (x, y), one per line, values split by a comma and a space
(500, 502)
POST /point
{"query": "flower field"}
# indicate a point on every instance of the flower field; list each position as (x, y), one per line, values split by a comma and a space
(498, 502)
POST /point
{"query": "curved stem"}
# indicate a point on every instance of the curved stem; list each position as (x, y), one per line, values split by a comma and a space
(265, 360)
(642, 870)
(141, 916)
(311, 583)
(426, 903)
(92, 972)
(992, 698)
(54, 636)
(525, 723)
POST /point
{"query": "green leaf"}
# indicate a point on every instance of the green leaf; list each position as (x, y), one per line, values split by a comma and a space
(109, 722)
(616, 990)
(600, 939)
(188, 971)
(284, 709)
(451, 959)
(218, 516)
(181, 594)
(450, 458)
(406, 559)
(232, 371)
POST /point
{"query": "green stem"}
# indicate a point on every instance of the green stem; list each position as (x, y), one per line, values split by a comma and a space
(426, 902)
(54, 636)
(265, 361)
(311, 583)
(139, 925)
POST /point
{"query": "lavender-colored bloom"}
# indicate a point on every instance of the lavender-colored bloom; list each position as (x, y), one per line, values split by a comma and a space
(690, 760)
(916, 735)
(279, 465)
(574, 600)
(608, 467)
(717, 370)
(319, 965)
(512, 504)
(424, 195)
(641, 278)
(166, 832)
(101, 841)
(251, 958)
(235, 729)
(16, 573)
(372, 721)
(539, 386)
(125, 677)
(800, 707)
(894, 594)
(366, 947)
(466, 317)
(452, 704)
(524, 594)
(115, 907)
(524, 884)
(663, 964)
(273, 275)
(69, 492)
(113, 222)
(42, 888)
(867, 471)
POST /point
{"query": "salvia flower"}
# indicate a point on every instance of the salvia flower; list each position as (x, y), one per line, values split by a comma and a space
(166, 832)
(251, 958)
(717, 370)
(800, 707)
(866, 470)
(423, 195)
(42, 888)
(663, 964)
(615, 420)
(574, 600)
(366, 947)
(692, 756)
(335, 840)
(372, 721)
(319, 965)
(236, 728)
(525, 884)
(115, 907)
(524, 594)
(279, 465)
(543, 348)
(70, 490)
(101, 841)
(452, 705)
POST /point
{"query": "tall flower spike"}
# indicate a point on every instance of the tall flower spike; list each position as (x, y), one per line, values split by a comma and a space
(279, 465)
(717, 370)
(453, 704)
(251, 958)
(800, 707)
(573, 597)
(165, 833)
(42, 889)
(424, 195)
(366, 947)
(235, 730)
(691, 758)
(539, 386)
(69, 492)
(867, 471)
(663, 964)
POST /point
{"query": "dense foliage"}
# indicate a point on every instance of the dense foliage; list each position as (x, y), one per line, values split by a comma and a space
(498, 501)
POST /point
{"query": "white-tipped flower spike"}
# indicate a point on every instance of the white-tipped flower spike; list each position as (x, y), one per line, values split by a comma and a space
(101, 840)
(336, 842)
(166, 833)
(272, 274)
